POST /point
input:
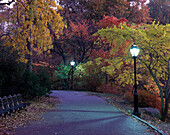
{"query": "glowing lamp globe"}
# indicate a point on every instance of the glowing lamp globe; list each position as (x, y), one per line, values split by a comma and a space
(72, 63)
(134, 50)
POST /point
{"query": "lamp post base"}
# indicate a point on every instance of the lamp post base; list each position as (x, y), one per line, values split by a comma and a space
(136, 114)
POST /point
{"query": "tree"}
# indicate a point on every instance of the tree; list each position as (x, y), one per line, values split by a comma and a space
(153, 39)
(136, 11)
(76, 42)
(31, 21)
(110, 21)
(74, 10)
(94, 10)
(159, 10)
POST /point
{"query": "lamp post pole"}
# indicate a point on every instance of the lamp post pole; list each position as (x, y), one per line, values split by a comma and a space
(72, 63)
(135, 51)
(71, 77)
(136, 112)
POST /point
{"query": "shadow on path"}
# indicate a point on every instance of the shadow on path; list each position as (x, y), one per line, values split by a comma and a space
(82, 114)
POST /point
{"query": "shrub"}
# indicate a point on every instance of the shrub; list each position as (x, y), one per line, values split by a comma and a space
(34, 85)
(149, 100)
(106, 88)
(145, 99)
(114, 89)
(44, 79)
(92, 82)
(128, 96)
(88, 77)
(11, 71)
(60, 77)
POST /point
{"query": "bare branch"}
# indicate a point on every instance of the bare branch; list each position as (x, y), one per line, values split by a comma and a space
(7, 3)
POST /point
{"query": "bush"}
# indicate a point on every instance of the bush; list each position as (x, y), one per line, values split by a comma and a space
(91, 83)
(35, 85)
(106, 88)
(114, 89)
(145, 99)
(128, 96)
(60, 77)
(11, 71)
(44, 79)
(90, 78)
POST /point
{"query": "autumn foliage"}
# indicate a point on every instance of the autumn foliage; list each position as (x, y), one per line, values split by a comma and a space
(92, 78)
(112, 21)
(76, 41)
(97, 37)
(145, 99)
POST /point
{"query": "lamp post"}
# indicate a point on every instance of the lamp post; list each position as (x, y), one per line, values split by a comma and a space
(72, 63)
(134, 50)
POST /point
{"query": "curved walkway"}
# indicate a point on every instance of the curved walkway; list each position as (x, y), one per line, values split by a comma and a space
(83, 114)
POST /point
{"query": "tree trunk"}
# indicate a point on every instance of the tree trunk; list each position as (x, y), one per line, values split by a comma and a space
(161, 92)
(166, 109)
(29, 56)
(167, 94)
(106, 78)
(167, 97)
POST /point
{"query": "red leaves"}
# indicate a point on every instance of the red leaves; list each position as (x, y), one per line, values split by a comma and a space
(112, 21)
(80, 28)
(99, 53)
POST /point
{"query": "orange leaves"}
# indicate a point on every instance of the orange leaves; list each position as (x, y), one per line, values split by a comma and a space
(151, 87)
(145, 99)
(80, 29)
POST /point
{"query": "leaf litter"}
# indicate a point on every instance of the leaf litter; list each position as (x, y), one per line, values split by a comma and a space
(37, 107)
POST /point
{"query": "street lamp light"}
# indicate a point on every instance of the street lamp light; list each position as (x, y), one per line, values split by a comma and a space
(72, 63)
(134, 50)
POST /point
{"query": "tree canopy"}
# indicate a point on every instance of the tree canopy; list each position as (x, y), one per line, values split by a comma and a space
(30, 21)
(153, 41)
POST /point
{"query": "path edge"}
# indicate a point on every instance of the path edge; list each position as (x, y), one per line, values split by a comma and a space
(139, 119)
(148, 124)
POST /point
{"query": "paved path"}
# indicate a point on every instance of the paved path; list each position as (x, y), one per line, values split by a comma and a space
(83, 114)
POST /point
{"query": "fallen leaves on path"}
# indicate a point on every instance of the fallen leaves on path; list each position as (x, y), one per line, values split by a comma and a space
(24, 116)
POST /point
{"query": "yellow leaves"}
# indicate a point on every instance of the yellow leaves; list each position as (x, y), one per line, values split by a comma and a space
(127, 77)
(119, 64)
(31, 19)
(59, 7)
(50, 47)
(48, 52)
(89, 63)
(23, 60)
(110, 70)
(98, 61)
(151, 87)
(104, 69)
